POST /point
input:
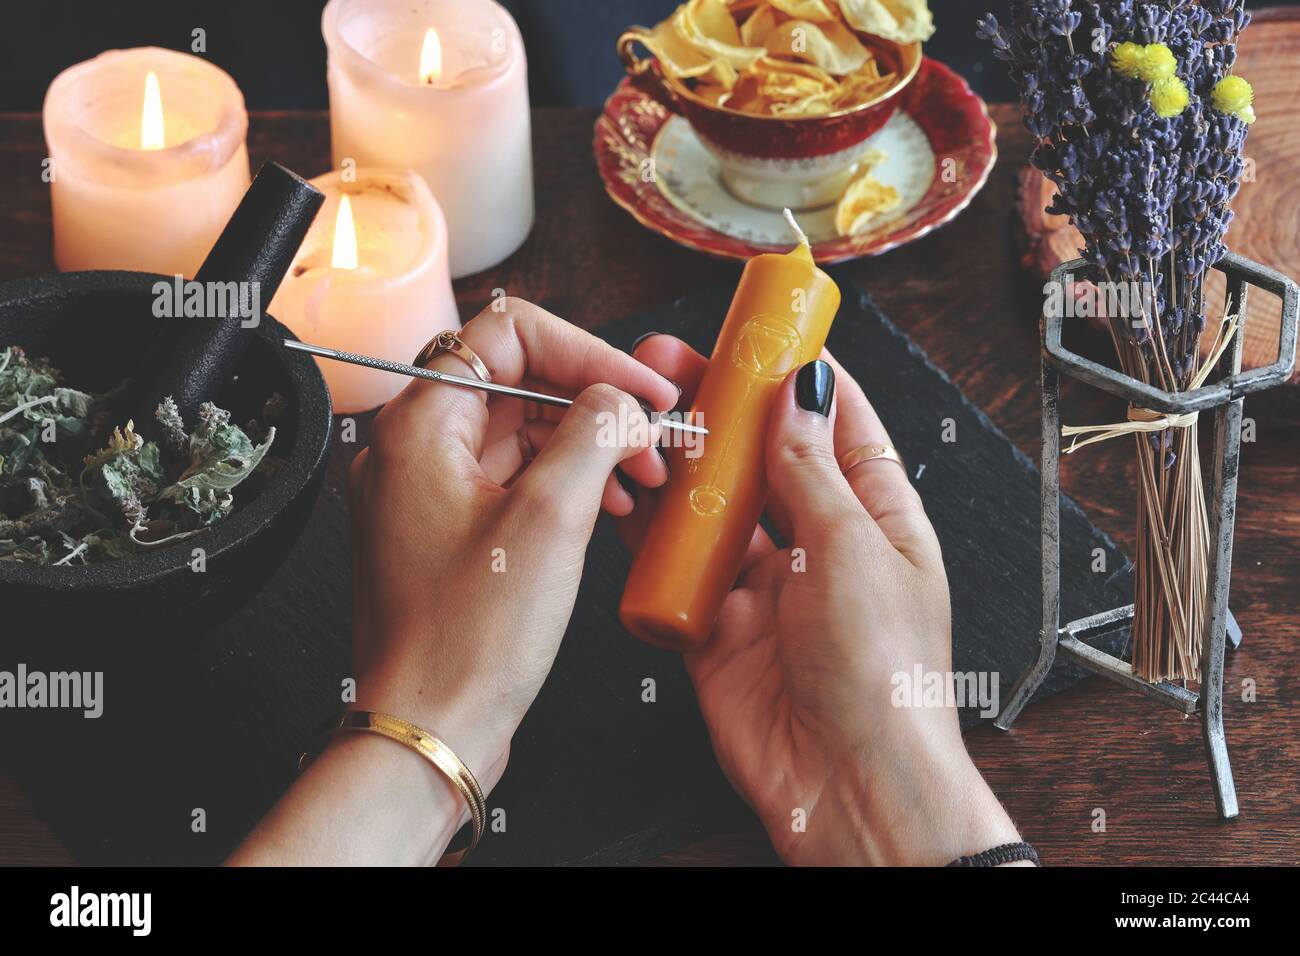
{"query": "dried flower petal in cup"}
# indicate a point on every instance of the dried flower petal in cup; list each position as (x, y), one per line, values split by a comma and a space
(783, 57)
(785, 93)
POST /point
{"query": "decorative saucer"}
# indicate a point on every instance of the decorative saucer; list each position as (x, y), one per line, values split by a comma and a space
(939, 147)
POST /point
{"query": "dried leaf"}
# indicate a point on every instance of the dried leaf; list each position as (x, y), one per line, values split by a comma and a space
(129, 495)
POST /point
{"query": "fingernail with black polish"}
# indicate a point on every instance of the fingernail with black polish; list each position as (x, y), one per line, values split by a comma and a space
(626, 483)
(814, 387)
(642, 338)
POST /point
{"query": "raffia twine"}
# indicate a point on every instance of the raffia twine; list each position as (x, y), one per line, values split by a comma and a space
(1140, 420)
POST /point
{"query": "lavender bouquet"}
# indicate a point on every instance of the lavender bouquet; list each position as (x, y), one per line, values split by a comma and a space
(1140, 124)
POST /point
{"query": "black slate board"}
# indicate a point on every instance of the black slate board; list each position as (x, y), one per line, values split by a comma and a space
(596, 775)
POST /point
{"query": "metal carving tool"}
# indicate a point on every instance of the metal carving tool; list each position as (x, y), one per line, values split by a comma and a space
(414, 371)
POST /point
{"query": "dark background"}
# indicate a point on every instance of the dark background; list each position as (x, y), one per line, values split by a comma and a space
(275, 52)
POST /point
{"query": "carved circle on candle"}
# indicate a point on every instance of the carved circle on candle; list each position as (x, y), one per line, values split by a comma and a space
(439, 87)
(708, 501)
(126, 196)
(371, 277)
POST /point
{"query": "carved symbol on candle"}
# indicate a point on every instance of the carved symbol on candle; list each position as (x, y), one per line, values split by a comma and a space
(767, 350)
(767, 347)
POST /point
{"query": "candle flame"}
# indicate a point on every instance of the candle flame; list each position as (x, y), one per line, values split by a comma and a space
(151, 115)
(345, 238)
(431, 58)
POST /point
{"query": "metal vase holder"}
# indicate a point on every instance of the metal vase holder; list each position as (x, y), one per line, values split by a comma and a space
(1224, 395)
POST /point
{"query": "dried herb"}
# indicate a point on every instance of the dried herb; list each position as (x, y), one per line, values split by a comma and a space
(1140, 123)
(61, 507)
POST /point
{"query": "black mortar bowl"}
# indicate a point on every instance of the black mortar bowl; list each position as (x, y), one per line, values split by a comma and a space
(95, 326)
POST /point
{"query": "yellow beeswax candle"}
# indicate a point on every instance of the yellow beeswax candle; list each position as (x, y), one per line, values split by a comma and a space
(706, 514)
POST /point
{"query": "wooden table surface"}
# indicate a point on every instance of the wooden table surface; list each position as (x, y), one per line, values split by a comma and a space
(962, 295)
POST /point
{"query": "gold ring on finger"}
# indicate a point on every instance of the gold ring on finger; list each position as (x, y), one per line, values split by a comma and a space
(452, 343)
(850, 460)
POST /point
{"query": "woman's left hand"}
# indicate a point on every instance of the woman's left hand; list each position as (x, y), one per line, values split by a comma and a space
(470, 521)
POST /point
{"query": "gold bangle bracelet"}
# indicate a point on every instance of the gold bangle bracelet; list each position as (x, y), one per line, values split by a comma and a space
(438, 754)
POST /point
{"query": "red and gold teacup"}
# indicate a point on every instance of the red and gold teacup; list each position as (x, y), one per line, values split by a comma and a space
(777, 162)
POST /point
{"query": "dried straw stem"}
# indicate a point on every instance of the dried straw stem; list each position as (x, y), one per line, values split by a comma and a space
(1171, 579)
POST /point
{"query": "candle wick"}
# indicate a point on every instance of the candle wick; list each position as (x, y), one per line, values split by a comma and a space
(794, 227)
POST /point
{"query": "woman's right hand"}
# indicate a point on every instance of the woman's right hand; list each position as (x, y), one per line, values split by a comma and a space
(798, 681)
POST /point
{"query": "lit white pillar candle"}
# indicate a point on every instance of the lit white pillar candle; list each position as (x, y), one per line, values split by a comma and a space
(148, 160)
(440, 87)
(371, 277)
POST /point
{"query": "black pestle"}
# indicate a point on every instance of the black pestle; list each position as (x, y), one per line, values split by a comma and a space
(193, 357)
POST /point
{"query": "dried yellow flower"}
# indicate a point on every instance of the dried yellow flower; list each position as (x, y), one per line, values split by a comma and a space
(1157, 63)
(1169, 97)
(1234, 95)
(1126, 59)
